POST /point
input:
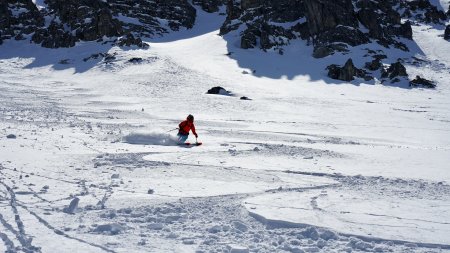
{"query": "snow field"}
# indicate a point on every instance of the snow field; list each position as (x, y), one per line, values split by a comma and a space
(308, 165)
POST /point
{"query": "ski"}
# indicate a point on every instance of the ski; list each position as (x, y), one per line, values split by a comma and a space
(192, 144)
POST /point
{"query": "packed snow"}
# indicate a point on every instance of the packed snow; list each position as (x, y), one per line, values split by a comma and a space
(89, 160)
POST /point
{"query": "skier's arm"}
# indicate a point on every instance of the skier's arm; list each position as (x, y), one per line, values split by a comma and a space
(193, 131)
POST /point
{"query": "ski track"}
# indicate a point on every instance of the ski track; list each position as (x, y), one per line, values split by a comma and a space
(212, 223)
(207, 224)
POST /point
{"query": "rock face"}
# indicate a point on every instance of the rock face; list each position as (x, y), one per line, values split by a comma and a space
(331, 25)
(447, 33)
(346, 73)
(423, 10)
(18, 18)
(82, 20)
(326, 15)
(209, 5)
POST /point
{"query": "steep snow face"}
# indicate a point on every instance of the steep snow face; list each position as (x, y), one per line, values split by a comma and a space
(307, 165)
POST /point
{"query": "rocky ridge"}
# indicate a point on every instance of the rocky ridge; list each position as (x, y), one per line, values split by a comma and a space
(62, 23)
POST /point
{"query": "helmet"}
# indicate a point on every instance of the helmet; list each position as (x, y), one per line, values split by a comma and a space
(190, 117)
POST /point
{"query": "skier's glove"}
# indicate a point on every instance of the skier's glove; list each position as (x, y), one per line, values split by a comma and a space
(196, 135)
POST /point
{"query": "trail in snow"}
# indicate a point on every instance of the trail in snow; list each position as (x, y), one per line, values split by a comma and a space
(303, 167)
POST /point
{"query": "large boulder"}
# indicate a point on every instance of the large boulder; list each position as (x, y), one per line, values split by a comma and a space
(419, 81)
(346, 73)
(447, 33)
(218, 91)
(394, 70)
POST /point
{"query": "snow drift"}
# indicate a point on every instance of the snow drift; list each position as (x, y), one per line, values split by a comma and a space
(152, 138)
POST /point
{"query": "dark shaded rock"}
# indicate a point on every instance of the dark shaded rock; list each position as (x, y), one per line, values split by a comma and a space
(129, 40)
(370, 19)
(218, 91)
(135, 60)
(54, 37)
(94, 56)
(375, 64)
(345, 73)
(379, 56)
(11, 136)
(18, 18)
(395, 70)
(209, 5)
(248, 40)
(406, 30)
(108, 58)
(447, 33)
(323, 51)
(424, 11)
(326, 15)
(419, 81)
(245, 98)
(348, 35)
(259, 16)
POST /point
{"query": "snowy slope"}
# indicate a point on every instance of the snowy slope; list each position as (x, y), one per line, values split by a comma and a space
(307, 165)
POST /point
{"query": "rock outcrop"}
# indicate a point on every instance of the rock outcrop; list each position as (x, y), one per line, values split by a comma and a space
(331, 25)
(447, 33)
(93, 20)
(347, 73)
(18, 18)
(395, 70)
(209, 5)
(419, 81)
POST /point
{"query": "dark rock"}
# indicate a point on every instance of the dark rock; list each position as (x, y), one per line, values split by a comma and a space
(348, 35)
(129, 40)
(18, 18)
(322, 51)
(245, 98)
(447, 33)
(248, 40)
(406, 30)
(424, 11)
(150, 191)
(218, 91)
(345, 73)
(379, 56)
(326, 50)
(135, 60)
(375, 64)
(395, 70)
(54, 37)
(326, 15)
(419, 81)
(209, 5)
(108, 58)
(11, 136)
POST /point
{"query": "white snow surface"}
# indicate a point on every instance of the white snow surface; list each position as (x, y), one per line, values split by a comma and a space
(308, 165)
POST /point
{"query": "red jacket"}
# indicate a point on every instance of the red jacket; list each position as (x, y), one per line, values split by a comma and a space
(186, 126)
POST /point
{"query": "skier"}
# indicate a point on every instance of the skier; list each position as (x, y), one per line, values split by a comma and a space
(185, 127)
